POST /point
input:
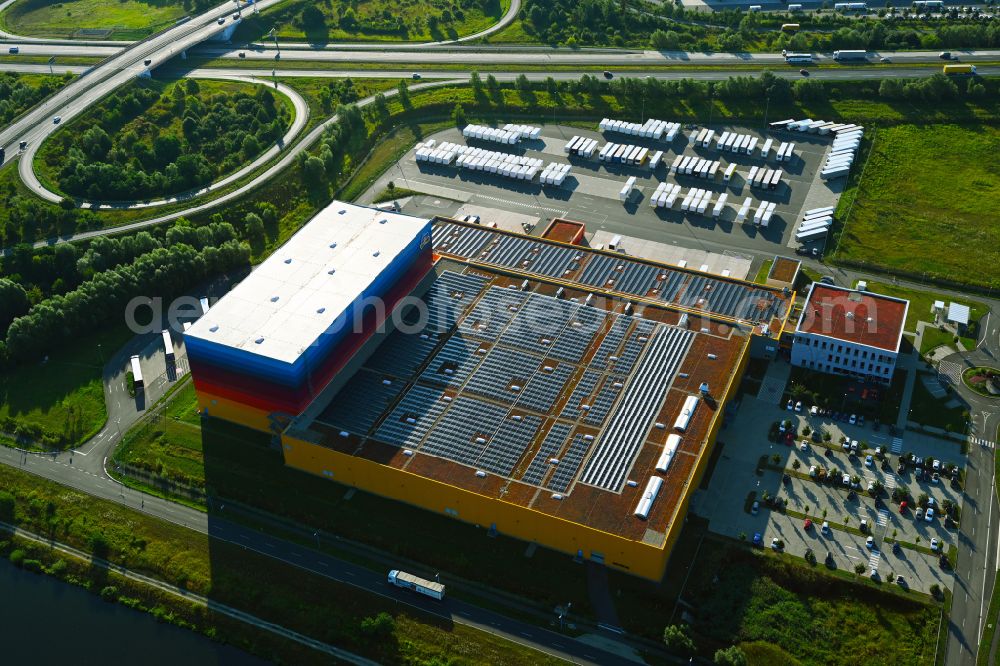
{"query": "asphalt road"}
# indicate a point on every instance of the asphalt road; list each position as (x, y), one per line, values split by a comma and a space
(73, 475)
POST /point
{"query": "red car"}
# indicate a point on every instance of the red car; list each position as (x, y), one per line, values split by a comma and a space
(789, 438)
(902, 507)
(807, 524)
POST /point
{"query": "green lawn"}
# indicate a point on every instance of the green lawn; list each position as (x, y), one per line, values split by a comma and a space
(127, 19)
(743, 596)
(926, 205)
(373, 20)
(926, 410)
(63, 398)
(934, 337)
(921, 302)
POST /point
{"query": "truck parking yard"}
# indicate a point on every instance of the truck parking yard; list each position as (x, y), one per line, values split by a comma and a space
(734, 187)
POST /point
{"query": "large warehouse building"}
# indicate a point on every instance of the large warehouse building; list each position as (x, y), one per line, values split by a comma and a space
(549, 392)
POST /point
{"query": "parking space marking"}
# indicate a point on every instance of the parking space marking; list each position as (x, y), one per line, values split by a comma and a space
(875, 559)
(897, 445)
(883, 518)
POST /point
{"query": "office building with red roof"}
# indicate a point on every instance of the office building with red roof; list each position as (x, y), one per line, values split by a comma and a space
(849, 332)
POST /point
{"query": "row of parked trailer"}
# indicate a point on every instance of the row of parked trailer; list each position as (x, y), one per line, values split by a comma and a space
(526, 131)
(623, 153)
(581, 146)
(435, 153)
(494, 134)
(815, 224)
(734, 142)
(763, 177)
(841, 156)
(651, 129)
(698, 200)
(821, 127)
(554, 174)
(695, 166)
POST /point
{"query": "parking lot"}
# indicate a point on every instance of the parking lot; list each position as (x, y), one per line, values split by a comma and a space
(746, 440)
(591, 191)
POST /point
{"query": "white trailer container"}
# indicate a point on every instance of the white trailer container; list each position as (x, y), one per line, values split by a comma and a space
(761, 209)
(707, 141)
(808, 225)
(741, 216)
(654, 161)
(672, 197)
(717, 210)
(813, 234)
(766, 220)
(706, 199)
(686, 203)
(427, 588)
(702, 133)
(690, 166)
(731, 140)
(780, 153)
(626, 190)
(676, 163)
(775, 179)
(821, 209)
(136, 372)
(766, 148)
(752, 176)
(752, 145)
(168, 344)
(789, 153)
(835, 172)
(728, 174)
(713, 170)
(721, 143)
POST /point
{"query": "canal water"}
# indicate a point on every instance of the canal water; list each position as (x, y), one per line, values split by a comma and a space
(46, 621)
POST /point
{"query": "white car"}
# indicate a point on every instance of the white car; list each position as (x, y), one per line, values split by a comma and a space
(774, 544)
(798, 406)
(825, 528)
(868, 461)
(804, 446)
(813, 471)
(864, 525)
(929, 515)
(754, 508)
(846, 479)
(814, 410)
(935, 545)
(57, 120)
(854, 419)
(790, 406)
(936, 465)
(870, 543)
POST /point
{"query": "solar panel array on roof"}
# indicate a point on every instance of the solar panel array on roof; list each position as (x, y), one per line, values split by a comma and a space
(508, 444)
(569, 464)
(611, 342)
(621, 274)
(454, 362)
(544, 387)
(460, 241)
(628, 426)
(493, 312)
(584, 388)
(730, 299)
(538, 322)
(503, 374)
(551, 445)
(634, 344)
(446, 299)
(464, 430)
(362, 400)
(601, 404)
(578, 334)
(412, 417)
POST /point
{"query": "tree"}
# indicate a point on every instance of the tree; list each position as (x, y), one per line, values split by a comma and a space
(404, 94)
(191, 87)
(381, 106)
(13, 302)
(458, 116)
(313, 170)
(677, 640)
(493, 86)
(254, 227)
(665, 40)
(731, 656)
(477, 84)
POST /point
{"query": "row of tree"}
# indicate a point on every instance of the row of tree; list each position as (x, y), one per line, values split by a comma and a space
(166, 272)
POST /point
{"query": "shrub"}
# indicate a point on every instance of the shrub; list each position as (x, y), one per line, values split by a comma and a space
(109, 593)
(678, 640)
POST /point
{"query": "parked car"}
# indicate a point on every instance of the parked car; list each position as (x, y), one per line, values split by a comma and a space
(813, 471)
(846, 445)
(790, 406)
(854, 446)
(863, 525)
(825, 527)
(804, 446)
(934, 544)
(868, 461)
(929, 515)
(902, 506)
(814, 410)
(807, 525)
(870, 543)
(798, 406)
(846, 479)
(755, 508)
(758, 540)
(936, 465)
(935, 477)
(853, 420)
(919, 513)
(775, 545)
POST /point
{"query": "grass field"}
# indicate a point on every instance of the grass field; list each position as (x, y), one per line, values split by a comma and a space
(63, 398)
(263, 586)
(127, 19)
(926, 204)
(744, 596)
(374, 20)
(927, 410)
(921, 302)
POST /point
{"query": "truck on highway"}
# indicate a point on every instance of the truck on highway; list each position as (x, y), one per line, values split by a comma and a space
(428, 588)
(850, 55)
(960, 70)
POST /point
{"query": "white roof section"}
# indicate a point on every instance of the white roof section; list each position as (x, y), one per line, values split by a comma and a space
(299, 291)
(958, 313)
